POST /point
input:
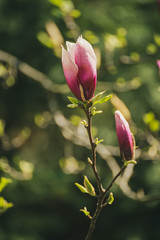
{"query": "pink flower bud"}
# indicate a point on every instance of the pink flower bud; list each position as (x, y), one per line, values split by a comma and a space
(158, 4)
(125, 137)
(79, 66)
(158, 63)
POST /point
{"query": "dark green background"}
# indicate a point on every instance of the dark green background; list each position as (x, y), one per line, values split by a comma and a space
(46, 207)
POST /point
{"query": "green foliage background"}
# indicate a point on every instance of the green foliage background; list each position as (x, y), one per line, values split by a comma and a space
(34, 152)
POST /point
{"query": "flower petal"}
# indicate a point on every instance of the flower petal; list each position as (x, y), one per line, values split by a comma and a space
(71, 50)
(87, 47)
(70, 71)
(86, 61)
(124, 135)
(158, 63)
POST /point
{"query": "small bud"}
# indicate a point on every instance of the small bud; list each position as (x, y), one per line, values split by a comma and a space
(90, 161)
(81, 188)
(129, 162)
(86, 212)
(110, 198)
(72, 105)
(158, 64)
(84, 123)
(158, 4)
(73, 100)
(96, 98)
(93, 111)
(125, 137)
(89, 187)
(97, 141)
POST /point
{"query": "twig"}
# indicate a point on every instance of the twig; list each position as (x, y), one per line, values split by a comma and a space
(93, 147)
(102, 192)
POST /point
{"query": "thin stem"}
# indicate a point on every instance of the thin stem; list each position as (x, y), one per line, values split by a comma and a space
(102, 192)
(114, 179)
(101, 204)
(93, 147)
(94, 219)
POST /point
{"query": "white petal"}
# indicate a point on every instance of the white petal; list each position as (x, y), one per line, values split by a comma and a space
(87, 46)
(71, 50)
(69, 67)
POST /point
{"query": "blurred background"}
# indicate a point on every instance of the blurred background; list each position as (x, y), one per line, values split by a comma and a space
(43, 145)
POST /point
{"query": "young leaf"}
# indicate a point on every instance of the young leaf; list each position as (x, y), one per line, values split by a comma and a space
(94, 112)
(85, 211)
(4, 205)
(110, 198)
(105, 99)
(98, 141)
(89, 187)
(73, 100)
(90, 161)
(129, 162)
(81, 188)
(97, 112)
(96, 98)
(4, 182)
(73, 105)
(84, 123)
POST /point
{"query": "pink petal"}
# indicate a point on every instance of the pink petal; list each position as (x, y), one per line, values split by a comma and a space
(86, 61)
(87, 47)
(70, 71)
(158, 63)
(71, 50)
(124, 135)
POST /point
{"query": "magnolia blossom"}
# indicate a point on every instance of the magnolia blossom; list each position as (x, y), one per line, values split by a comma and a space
(158, 63)
(158, 3)
(79, 66)
(125, 137)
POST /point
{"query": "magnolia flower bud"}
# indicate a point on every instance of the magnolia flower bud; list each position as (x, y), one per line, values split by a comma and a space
(125, 137)
(158, 4)
(158, 64)
(79, 66)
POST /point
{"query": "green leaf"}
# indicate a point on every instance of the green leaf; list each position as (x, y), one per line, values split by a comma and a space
(84, 123)
(89, 187)
(96, 98)
(73, 100)
(94, 112)
(44, 38)
(81, 188)
(73, 105)
(105, 99)
(129, 162)
(97, 112)
(57, 3)
(4, 182)
(90, 161)
(98, 141)
(86, 212)
(4, 205)
(75, 13)
(110, 198)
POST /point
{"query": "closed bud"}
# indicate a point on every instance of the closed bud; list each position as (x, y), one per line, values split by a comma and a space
(125, 137)
(79, 66)
(158, 64)
(158, 4)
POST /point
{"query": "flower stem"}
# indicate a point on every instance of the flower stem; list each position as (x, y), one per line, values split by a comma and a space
(102, 192)
(93, 147)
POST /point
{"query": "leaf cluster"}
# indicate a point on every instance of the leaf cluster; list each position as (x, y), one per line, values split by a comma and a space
(4, 205)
